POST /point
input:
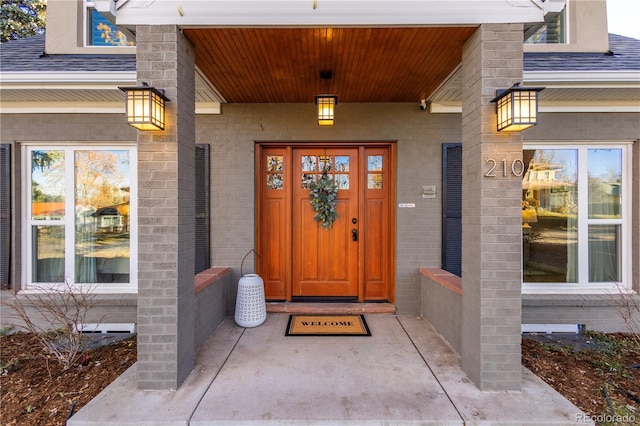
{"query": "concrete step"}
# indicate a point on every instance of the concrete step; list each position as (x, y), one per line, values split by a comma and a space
(330, 308)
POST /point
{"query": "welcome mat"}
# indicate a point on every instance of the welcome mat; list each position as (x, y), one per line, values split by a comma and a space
(327, 325)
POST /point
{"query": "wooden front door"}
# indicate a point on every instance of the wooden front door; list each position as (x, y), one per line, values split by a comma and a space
(325, 260)
(298, 258)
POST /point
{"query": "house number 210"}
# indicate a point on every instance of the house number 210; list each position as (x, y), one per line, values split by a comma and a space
(517, 167)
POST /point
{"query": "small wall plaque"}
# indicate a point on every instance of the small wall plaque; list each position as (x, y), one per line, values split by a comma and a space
(429, 191)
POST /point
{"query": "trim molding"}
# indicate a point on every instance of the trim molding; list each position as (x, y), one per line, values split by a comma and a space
(202, 108)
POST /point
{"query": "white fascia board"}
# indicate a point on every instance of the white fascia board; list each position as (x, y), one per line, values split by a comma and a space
(555, 106)
(583, 79)
(445, 107)
(211, 108)
(57, 80)
(589, 106)
(202, 108)
(203, 13)
(62, 108)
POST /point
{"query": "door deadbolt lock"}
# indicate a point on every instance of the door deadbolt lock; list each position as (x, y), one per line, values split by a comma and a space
(354, 220)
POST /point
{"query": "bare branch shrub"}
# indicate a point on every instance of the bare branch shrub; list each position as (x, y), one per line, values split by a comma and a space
(58, 312)
(628, 307)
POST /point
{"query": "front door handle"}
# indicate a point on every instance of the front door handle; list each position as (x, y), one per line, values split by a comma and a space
(354, 234)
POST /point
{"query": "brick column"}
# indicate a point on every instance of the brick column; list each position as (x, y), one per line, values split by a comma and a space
(491, 213)
(166, 226)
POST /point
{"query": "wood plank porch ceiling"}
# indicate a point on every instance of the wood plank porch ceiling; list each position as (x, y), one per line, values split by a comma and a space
(275, 65)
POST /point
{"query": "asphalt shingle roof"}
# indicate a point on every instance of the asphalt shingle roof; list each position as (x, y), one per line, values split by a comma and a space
(623, 55)
(28, 55)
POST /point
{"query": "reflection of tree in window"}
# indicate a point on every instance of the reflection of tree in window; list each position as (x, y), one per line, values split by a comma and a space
(102, 216)
(549, 214)
(112, 36)
(99, 179)
(101, 32)
(47, 184)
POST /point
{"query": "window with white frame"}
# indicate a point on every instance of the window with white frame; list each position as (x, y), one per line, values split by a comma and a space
(80, 204)
(576, 217)
(101, 32)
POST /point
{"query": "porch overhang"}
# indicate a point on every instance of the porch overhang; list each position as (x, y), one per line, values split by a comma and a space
(199, 13)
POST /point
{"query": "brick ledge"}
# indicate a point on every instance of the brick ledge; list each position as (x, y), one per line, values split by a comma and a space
(207, 277)
(444, 278)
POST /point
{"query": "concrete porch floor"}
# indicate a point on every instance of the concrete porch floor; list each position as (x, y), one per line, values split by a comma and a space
(403, 374)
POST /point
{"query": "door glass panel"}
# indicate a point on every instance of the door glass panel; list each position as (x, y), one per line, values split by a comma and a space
(341, 168)
(274, 163)
(605, 183)
(324, 163)
(342, 181)
(275, 181)
(102, 243)
(275, 167)
(308, 163)
(374, 164)
(315, 165)
(307, 178)
(604, 253)
(47, 185)
(549, 215)
(374, 181)
(342, 163)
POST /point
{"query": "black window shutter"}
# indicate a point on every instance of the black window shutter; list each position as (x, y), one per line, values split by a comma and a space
(5, 217)
(452, 208)
(202, 208)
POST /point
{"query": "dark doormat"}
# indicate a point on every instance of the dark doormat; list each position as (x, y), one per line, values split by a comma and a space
(327, 325)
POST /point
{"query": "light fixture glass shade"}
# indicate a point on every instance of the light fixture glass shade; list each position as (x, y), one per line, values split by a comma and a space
(144, 107)
(326, 104)
(517, 108)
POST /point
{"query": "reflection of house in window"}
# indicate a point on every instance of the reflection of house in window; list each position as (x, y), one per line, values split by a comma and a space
(604, 199)
(546, 183)
(110, 219)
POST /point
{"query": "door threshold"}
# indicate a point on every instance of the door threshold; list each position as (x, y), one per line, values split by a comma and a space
(324, 299)
(327, 308)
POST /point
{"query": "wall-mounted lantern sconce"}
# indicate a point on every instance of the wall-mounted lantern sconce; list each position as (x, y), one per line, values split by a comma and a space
(517, 108)
(144, 107)
(326, 103)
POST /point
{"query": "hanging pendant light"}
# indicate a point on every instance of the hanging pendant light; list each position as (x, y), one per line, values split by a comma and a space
(326, 103)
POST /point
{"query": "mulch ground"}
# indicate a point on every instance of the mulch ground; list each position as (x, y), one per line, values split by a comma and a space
(597, 375)
(35, 390)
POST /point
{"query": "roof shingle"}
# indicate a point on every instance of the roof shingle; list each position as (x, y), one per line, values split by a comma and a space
(28, 55)
(623, 55)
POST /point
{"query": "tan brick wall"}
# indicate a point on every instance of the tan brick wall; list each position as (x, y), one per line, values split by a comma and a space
(491, 228)
(166, 243)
